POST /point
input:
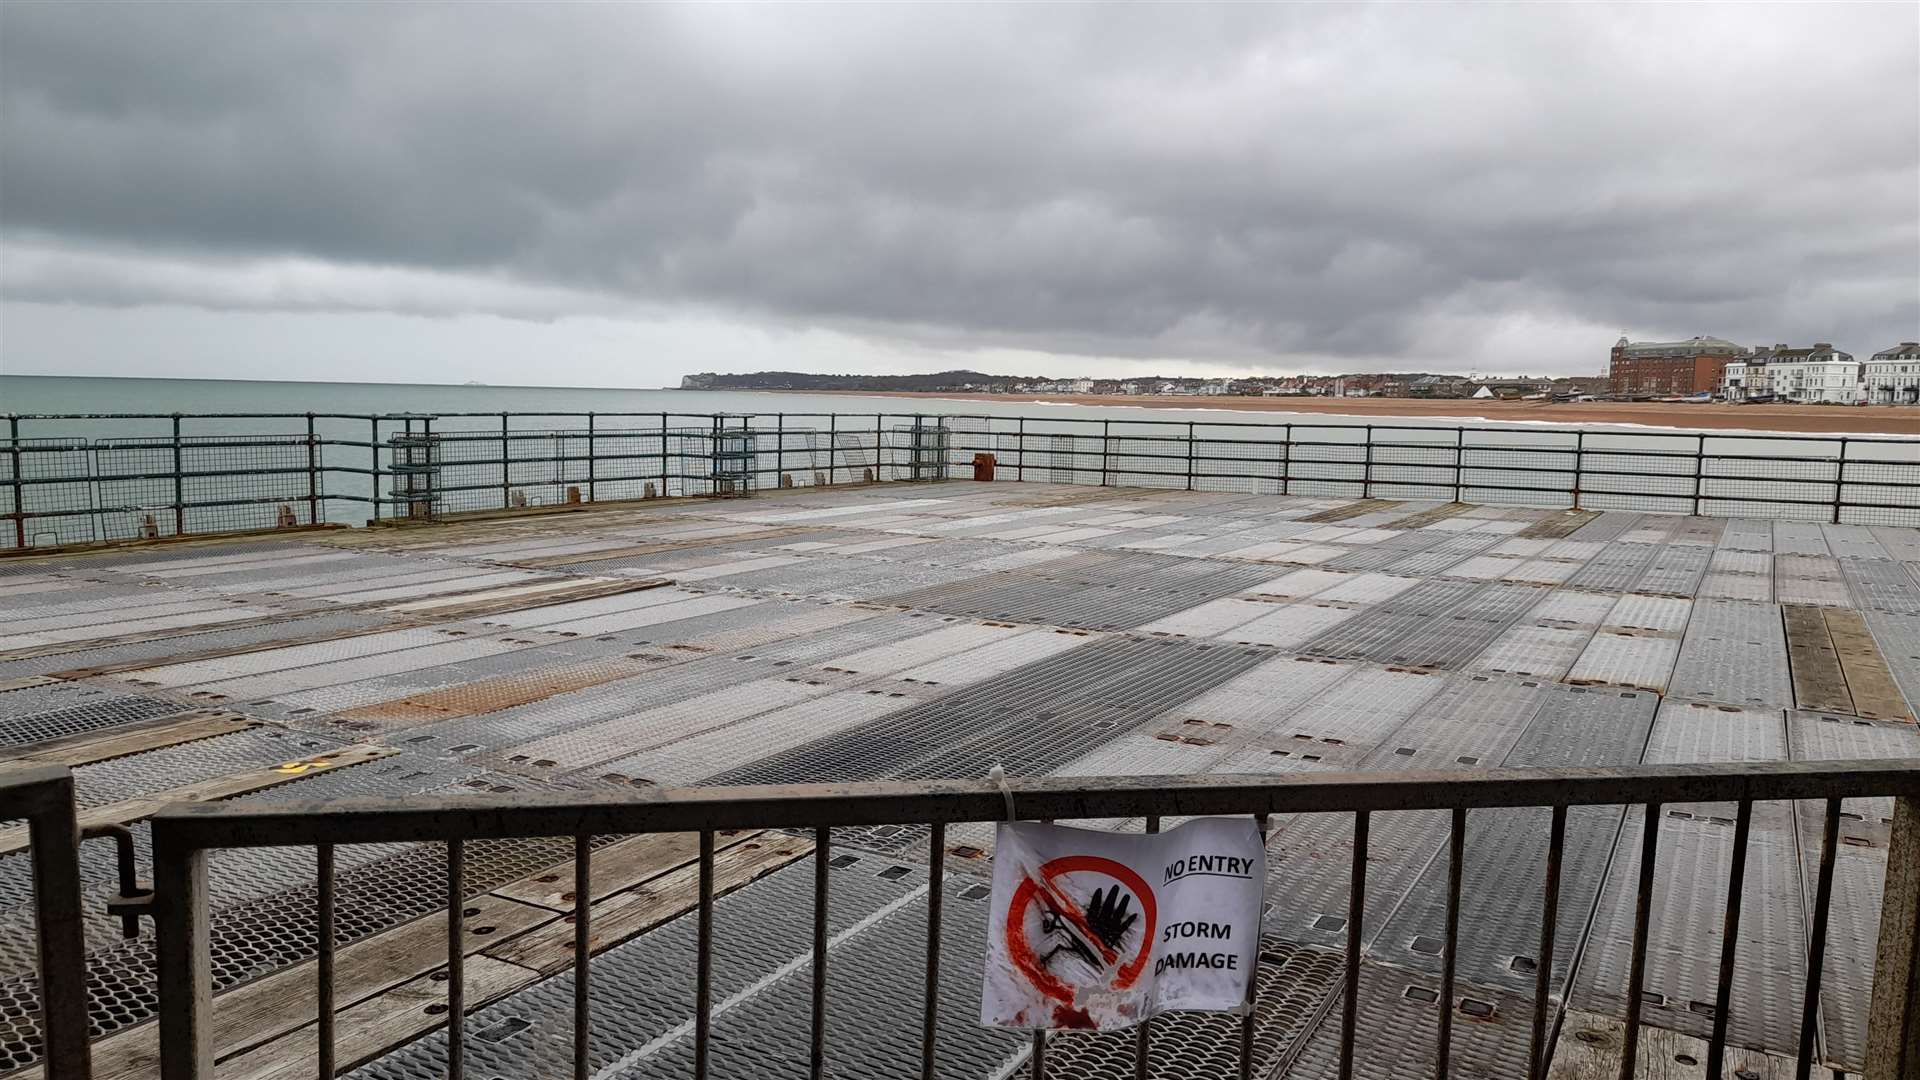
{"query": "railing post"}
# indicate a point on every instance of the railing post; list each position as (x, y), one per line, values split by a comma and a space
(779, 447)
(59, 914)
(833, 445)
(1893, 1021)
(313, 475)
(1020, 443)
(506, 478)
(1366, 469)
(1839, 478)
(1459, 453)
(179, 484)
(373, 451)
(1106, 449)
(1286, 460)
(185, 955)
(663, 455)
(879, 440)
(1189, 455)
(1579, 455)
(590, 469)
(1699, 469)
(19, 487)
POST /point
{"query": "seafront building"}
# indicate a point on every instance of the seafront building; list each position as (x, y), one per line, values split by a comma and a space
(1662, 368)
(1816, 375)
(1892, 376)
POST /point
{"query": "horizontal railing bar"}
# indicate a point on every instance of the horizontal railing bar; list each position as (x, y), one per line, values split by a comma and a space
(419, 818)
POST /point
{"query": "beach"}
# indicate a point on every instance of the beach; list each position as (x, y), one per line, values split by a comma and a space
(1808, 419)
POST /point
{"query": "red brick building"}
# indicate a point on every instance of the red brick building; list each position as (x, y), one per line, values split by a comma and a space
(1661, 368)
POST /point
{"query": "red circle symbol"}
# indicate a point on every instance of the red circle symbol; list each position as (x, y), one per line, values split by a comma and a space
(1020, 949)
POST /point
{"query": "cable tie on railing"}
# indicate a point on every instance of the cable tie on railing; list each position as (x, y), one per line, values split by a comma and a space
(999, 776)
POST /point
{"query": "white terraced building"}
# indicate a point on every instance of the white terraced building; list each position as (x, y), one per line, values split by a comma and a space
(1892, 376)
(1820, 374)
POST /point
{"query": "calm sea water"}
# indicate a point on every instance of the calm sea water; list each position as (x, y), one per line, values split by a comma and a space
(49, 394)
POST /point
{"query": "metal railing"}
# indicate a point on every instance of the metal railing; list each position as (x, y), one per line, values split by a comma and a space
(43, 796)
(151, 476)
(184, 834)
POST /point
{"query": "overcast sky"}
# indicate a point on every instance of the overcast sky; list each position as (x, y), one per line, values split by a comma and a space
(603, 194)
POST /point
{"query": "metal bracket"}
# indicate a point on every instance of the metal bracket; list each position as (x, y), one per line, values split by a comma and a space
(135, 897)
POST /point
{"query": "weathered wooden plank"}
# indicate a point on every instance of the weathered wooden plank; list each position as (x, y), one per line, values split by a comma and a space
(1556, 527)
(267, 1008)
(1589, 1049)
(129, 811)
(1352, 510)
(657, 547)
(1875, 694)
(624, 915)
(1427, 517)
(486, 695)
(1818, 683)
(139, 737)
(378, 1024)
(522, 598)
(615, 867)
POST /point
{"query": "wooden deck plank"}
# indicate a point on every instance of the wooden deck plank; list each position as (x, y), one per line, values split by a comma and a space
(1589, 1049)
(267, 1008)
(128, 811)
(625, 915)
(1875, 695)
(1818, 683)
(615, 867)
(280, 1006)
(135, 738)
(378, 1024)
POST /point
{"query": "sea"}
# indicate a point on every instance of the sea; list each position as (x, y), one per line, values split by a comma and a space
(35, 395)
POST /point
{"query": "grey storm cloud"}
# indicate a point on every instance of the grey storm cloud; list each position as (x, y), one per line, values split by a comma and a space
(1254, 181)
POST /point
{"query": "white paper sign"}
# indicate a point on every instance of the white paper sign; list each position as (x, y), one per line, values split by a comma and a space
(1100, 930)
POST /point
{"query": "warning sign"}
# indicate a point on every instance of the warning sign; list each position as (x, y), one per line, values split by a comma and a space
(1099, 930)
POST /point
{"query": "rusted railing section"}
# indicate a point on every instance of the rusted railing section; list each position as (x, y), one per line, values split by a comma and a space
(185, 833)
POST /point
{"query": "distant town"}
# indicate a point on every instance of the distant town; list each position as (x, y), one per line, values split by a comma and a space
(1697, 369)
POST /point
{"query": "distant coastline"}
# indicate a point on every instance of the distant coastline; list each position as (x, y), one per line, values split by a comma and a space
(1798, 419)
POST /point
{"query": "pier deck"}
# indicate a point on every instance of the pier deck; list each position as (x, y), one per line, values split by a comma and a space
(920, 631)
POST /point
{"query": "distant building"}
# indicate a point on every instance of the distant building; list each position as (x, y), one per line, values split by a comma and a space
(1439, 386)
(1745, 380)
(1662, 368)
(1892, 376)
(1818, 374)
(1505, 391)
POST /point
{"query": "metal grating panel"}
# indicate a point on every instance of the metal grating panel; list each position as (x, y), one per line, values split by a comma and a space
(642, 991)
(1735, 653)
(1626, 660)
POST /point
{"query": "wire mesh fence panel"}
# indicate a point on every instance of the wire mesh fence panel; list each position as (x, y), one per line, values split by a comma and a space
(53, 481)
(472, 472)
(141, 504)
(1146, 461)
(629, 463)
(856, 456)
(73, 490)
(1328, 461)
(1240, 465)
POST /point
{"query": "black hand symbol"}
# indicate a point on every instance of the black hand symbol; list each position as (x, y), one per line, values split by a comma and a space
(1108, 917)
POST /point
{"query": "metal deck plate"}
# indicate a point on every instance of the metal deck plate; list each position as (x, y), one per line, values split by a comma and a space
(1626, 660)
(1734, 653)
(1400, 1014)
(1683, 951)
